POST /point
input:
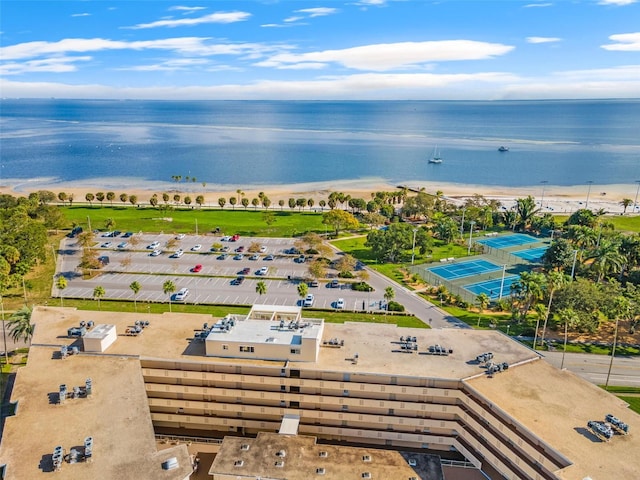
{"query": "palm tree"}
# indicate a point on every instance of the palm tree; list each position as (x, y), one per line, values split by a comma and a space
(124, 197)
(233, 201)
(303, 289)
(19, 324)
(62, 196)
(261, 288)
(531, 289)
(606, 259)
(98, 293)
(61, 284)
(526, 210)
(100, 197)
(626, 203)
(389, 294)
(255, 202)
(245, 202)
(281, 204)
(89, 197)
(135, 287)
(555, 280)
(169, 287)
(133, 199)
(200, 200)
(482, 300)
(222, 201)
(111, 196)
(568, 316)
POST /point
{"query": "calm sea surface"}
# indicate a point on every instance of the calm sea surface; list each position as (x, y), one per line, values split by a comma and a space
(259, 142)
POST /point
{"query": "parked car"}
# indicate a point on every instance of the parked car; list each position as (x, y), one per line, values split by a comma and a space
(269, 258)
(240, 249)
(196, 247)
(222, 256)
(237, 281)
(244, 271)
(180, 236)
(127, 234)
(300, 259)
(262, 271)
(155, 253)
(239, 256)
(123, 245)
(334, 284)
(104, 260)
(178, 253)
(312, 283)
(263, 249)
(181, 295)
(235, 238)
(226, 238)
(254, 257)
(340, 303)
(197, 268)
(107, 234)
(153, 245)
(308, 300)
(105, 245)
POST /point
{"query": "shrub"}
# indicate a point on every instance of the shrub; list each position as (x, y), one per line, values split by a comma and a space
(393, 306)
(362, 287)
(345, 275)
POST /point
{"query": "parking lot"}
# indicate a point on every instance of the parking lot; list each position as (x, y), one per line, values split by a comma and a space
(213, 282)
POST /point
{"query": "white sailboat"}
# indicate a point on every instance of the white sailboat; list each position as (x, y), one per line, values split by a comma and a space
(436, 158)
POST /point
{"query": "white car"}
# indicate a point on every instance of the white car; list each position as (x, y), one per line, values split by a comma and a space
(153, 246)
(181, 295)
(226, 238)
(178, 253)
(308, 300)
(196, 247)
(155, 253)
(180, 236)
(262, 271)
(340, 303)
(263, 249)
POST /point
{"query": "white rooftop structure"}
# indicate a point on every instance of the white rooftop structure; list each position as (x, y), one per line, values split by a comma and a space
(268, 332)
(99, 338)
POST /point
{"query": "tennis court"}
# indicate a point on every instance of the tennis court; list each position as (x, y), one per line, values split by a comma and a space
(531, 254)
(492, 287)
(508, 241)
(454, 271)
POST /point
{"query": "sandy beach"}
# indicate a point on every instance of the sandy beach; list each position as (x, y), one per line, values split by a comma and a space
(559, 199)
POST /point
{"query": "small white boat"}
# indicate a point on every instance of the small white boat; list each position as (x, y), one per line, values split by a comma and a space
(503, 148)
(436, 158)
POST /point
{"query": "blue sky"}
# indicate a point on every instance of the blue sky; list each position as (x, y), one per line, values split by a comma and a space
(324, 49)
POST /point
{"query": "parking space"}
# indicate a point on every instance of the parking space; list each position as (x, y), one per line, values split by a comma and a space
(212, 283)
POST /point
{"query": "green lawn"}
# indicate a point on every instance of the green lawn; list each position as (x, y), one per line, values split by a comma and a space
(634, 402)
(245, 222)
(622, 223)
(222, 310)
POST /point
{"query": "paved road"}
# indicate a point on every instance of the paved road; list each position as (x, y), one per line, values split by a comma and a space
(594, 368)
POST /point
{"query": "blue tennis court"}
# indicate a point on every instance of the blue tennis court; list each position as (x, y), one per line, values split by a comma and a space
(531, 254)
(492, 287)
(508, 241)
(454, 271)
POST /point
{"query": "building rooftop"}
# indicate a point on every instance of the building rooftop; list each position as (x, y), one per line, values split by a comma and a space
(116, 415)
(555, 405)
(298, 457)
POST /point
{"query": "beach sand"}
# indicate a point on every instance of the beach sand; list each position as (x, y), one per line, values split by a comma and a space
(557, 198)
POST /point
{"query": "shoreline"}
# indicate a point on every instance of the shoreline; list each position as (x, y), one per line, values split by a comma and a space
(557, 198)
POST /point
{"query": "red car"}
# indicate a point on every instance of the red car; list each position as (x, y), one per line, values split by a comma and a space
(197, 268)
(235, 238)
(240, 249)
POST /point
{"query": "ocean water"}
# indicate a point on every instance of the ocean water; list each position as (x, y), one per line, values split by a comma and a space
(255, 143)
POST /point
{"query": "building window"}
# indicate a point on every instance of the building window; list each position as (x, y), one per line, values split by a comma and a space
(245, 349)
(225, 347)
(295, 351)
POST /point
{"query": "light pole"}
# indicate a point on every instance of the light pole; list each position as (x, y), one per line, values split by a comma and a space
(613, 353)
(464, 210)
(590, 182)
(544, 183)
(573, 268)
(635, 202)
(504, 269)
(472, 223)
(413, 250)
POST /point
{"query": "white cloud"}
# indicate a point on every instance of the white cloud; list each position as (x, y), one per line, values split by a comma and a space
(49, 65)
(181, 45)
(538, 5)
(390, 56)
(622, 82)
(293, 19)
(218, 17)
(81, 15)
(318, 12)
(186, 10)
(543, 39)
(626, 42)
(170, 65)
(366, 3)
(617, 2)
